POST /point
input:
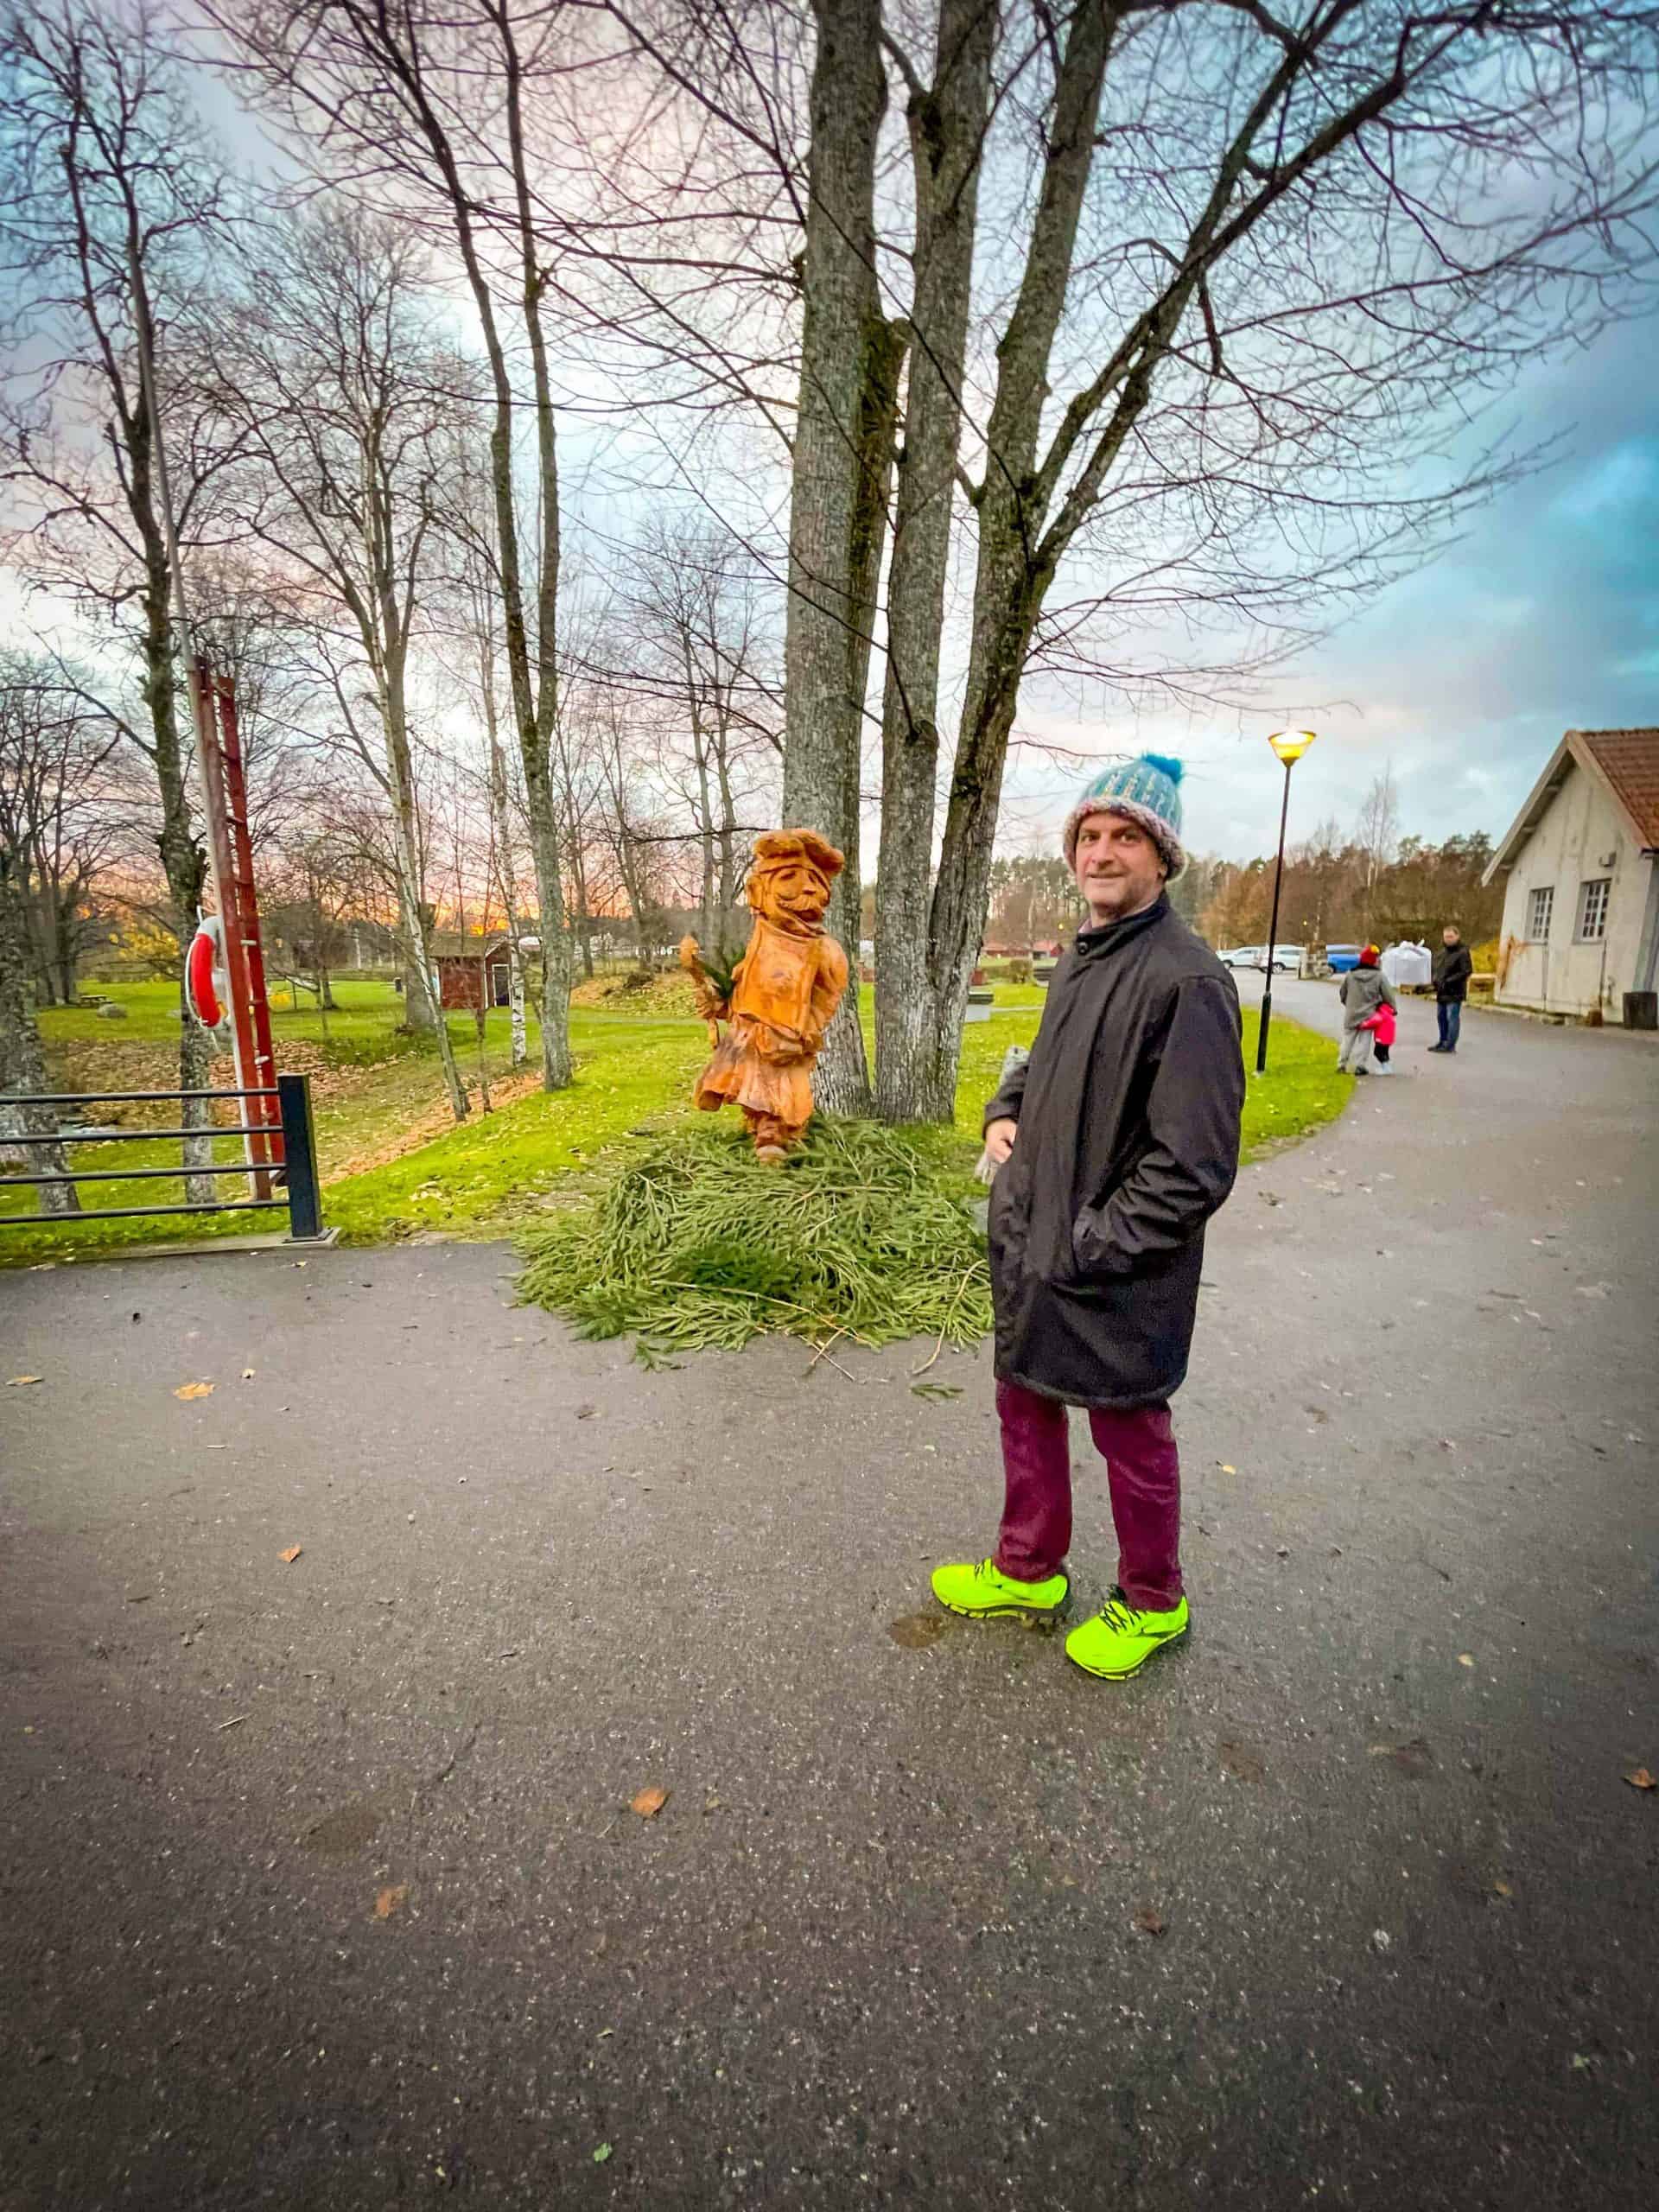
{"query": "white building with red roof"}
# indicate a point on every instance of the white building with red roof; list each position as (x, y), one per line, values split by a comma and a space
(1581, 900)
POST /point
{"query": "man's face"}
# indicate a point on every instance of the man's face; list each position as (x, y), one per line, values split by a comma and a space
(1451, 936)
(1117, 867)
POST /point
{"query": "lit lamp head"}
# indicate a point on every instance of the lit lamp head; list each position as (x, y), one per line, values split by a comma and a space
(1291, 744)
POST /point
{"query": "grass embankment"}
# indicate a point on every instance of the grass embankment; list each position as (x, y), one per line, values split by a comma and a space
(376, 1092)
(379, 1104)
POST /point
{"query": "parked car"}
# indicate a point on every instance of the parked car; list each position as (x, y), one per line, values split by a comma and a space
(1241, 955)
(1287, 959)
(1340, 958)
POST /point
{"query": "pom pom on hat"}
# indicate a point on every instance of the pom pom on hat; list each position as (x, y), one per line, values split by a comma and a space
(1146, 791)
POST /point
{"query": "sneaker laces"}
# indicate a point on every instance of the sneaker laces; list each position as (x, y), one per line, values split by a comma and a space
(1118, 1613)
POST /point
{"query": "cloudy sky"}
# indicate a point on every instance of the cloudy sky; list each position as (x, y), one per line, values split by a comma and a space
(1544, 617)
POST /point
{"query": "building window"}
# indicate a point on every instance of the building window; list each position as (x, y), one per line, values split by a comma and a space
(1539, 907)
(1592, 908)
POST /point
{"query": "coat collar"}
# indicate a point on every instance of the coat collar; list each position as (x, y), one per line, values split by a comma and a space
(1096, 943)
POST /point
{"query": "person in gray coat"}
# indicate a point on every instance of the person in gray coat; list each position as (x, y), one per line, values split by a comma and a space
(1364, 989)
(1111, 1149)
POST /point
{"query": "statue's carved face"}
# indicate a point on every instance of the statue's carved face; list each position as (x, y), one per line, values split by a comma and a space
(790, 892)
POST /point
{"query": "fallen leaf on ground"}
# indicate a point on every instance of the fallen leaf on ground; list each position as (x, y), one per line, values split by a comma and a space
(389, 1900)
(247, 1375)
(292, 1551)
(1242, 1763)
(1414, 1757)
(601, 2154)
(1639, 1778)
(1150, 1921)
(1465, 1658)
(19, 1381)
(1226, 1469)
(195, 1390)
(1502, 1890)
(648, 1803)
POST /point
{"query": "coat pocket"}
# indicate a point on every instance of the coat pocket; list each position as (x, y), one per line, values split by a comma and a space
(1088, 1255)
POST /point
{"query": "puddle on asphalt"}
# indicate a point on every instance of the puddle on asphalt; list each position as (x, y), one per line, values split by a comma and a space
(1240, 1761)
(337, 1835)
(915, 1632)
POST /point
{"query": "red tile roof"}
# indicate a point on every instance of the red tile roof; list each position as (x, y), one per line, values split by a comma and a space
(1629, 759)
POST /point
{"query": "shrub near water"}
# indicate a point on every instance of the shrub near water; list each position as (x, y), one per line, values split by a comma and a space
(866, 1232)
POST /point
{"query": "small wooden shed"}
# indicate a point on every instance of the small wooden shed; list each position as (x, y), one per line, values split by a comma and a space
(468, 967)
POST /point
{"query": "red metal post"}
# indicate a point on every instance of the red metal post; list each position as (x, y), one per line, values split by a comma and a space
(225, 792)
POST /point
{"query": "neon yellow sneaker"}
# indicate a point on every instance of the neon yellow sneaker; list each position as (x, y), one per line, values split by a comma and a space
(983, 1592)
(1120, 1638)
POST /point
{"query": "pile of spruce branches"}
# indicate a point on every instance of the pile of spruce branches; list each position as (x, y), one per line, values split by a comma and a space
(866, 1233)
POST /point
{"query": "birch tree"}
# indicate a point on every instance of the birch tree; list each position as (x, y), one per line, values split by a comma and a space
(426, 115)
(342, 409)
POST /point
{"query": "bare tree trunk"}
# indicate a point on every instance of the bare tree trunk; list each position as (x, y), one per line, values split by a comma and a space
(515, 994)
(501, 821)
(536, 719)
(851, 357)
(947, 129)
(730, 871)
(182, 858)
(1013, 572)
(187, 869)
(412, 918)
(22, 1064)
(420, 1013)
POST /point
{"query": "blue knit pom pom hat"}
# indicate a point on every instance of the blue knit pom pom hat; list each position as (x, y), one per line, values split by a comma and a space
(1146, 791)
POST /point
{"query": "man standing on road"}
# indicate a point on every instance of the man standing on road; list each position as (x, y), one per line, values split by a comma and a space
(1453, 966)
(1116, 1144)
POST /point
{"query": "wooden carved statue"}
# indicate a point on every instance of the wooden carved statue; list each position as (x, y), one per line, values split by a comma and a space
(783, 993)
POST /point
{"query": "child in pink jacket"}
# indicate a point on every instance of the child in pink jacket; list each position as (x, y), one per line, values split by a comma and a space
(1382, 1027)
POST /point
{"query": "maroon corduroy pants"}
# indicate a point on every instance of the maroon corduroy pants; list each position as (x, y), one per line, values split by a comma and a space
(1143, 1471)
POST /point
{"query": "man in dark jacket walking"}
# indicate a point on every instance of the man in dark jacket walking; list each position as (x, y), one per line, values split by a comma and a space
(1115, 1143)
(1453, 966)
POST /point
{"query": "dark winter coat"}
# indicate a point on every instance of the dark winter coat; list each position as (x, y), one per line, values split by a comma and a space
(1362, 991)
(1128, 1115)
(1453, 966)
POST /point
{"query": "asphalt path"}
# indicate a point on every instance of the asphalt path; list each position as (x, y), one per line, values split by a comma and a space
(318, 1882)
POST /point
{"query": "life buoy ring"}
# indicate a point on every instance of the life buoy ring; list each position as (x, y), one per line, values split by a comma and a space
(205, 984)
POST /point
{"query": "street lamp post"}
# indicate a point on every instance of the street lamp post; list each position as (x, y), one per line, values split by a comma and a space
(1289, 745)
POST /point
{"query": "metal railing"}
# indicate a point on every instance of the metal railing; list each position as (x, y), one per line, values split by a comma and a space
(302, 1196)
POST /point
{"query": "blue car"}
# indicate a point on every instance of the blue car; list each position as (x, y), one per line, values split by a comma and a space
(1341, 959)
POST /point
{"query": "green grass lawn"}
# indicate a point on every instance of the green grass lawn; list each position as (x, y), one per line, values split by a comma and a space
(487, 1176)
